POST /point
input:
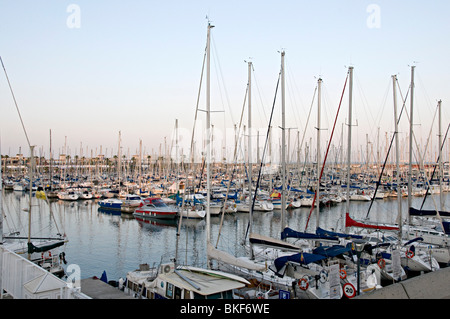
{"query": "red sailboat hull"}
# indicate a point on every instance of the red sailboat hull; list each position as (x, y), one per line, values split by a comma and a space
(349, 222)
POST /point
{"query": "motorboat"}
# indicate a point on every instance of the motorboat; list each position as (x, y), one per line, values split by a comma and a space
(181, 282)
(130, 203)
(155, 207)
(111, 203)
(68, 195)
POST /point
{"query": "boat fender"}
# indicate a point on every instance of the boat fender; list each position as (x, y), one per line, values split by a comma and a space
(381, 263)
(323, 276)
(62, 256)
(303, 283)
(342, 274)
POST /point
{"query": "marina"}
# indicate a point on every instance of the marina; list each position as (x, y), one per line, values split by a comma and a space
(113, 242)
(209, 214)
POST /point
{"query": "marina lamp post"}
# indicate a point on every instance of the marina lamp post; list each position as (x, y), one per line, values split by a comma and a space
(359, 246)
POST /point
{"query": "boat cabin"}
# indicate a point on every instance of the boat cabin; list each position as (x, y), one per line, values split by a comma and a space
(183, 283)
(155, 201)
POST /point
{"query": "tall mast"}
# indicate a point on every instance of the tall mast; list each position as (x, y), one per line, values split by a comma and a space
(29, 204)
(1, 229)
(319, 101)
(283, 146)
(441, 168)
(249, 153)
(410, 143)
(349, 137)
(208, 132)
(397, 157)
(119, 160)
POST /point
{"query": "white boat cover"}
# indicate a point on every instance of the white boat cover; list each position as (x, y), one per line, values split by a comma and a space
(224, 257)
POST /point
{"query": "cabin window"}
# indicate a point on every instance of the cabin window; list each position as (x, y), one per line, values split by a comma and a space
(227, 294)
(213, 296)
(169, 290)
(177, 293)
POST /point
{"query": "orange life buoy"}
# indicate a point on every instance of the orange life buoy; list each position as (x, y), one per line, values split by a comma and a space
(381, 263)
(46, 256)
(409, 253)
(342, 274)
(303, 284)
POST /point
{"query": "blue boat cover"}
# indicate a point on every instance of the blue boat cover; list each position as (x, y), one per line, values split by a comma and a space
(288, 232)
(332, 251)
(446, 226)
(323, 232)
(414, 240)
(301, 258)
(426, 212)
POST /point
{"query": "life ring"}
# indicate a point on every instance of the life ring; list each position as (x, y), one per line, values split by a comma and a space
(381, 263)
(409, 253)
(342, 274)
(46, 256)
(303, 284)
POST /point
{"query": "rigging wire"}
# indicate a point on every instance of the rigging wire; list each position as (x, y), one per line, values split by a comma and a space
(264, 152)
(15, 102)
(326, 154)
(387, 154)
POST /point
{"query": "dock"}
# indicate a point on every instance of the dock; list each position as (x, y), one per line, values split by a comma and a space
(97, 289)
(433, 285)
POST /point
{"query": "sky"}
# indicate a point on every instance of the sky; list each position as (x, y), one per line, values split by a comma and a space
(87, 70)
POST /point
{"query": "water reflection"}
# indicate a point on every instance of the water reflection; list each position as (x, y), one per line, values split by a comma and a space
(108, 240)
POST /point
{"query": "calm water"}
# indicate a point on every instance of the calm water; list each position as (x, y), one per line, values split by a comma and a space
(117, 243)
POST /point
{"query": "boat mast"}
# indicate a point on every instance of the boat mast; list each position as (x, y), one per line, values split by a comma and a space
(31, 196)
(283, 146)
(119, 161)
(249, 154)
(397, 157)
(410, 143)
(1, 230)
(441, 168)
(319, 101)
(349, 137)
(208, 146)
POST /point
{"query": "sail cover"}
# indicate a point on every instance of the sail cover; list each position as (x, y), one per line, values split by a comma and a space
(258, 239)
(323, 232)
(332, 251)
(43, 248)
(300, 258)
(224, 257)
(288, 232)
(426, 212)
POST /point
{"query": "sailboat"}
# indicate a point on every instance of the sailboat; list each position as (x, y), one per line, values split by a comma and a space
(43, 251)
(269, 262)
(171, 281)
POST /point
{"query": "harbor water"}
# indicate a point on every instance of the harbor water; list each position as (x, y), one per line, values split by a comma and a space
(116, 243)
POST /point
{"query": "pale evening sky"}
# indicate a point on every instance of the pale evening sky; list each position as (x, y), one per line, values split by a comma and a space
(89, 69)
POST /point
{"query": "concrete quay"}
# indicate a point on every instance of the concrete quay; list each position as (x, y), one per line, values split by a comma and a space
(433, 285)
(97, 289)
